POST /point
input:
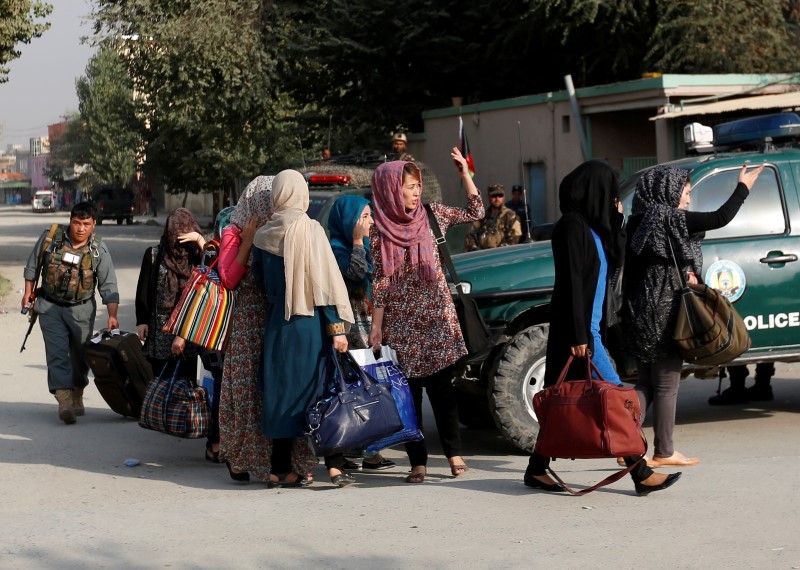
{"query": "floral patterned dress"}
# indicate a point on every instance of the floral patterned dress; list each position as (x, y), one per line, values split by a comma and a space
(241, 440)
(419, 318)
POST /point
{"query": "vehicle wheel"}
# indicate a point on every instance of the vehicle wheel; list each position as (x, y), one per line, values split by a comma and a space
(519, 375)
(129, 220)
(99, 221)
(119, 221)
(473, 411)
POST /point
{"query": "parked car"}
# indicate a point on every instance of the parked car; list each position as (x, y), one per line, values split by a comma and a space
(114, 203)
(752, 261)
(44, 201)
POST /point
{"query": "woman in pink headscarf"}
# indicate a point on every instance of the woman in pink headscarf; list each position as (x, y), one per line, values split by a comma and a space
(413, 310)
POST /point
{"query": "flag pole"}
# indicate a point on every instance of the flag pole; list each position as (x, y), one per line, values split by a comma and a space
(527, 237)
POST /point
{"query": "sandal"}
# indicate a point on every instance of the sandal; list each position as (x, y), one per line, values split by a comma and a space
(296, 482)
(416, 477)
(211, 455)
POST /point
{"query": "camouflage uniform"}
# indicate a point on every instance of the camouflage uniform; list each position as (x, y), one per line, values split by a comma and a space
(498, 228)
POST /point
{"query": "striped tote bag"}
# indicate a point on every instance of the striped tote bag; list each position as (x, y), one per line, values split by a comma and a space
(203, 313)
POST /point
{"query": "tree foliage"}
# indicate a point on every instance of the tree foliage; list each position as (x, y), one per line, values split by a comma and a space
(20, 22)
(111, 129)
(726, 36)
(234, 88)
(68, 151)
(204, 75)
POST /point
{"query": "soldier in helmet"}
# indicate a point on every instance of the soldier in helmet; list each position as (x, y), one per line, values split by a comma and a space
(74, 263)
(499, 227)
(399, 152)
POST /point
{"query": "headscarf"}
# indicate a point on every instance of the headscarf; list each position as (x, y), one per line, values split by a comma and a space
(589, 191)
(658, 194)
(342, 219)
(177, 257)
(256, 200)
(401, 231)
(222, 221)
(313, 278)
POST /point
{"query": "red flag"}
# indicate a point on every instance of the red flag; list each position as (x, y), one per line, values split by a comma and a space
(462, 135)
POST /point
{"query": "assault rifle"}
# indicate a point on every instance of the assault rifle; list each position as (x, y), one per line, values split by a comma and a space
(28, 309)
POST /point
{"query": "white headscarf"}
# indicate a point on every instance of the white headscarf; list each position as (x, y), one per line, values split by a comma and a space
(313, 278)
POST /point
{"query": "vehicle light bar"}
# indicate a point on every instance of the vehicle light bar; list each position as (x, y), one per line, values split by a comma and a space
(328, 180)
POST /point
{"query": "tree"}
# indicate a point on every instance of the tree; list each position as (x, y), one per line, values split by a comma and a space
(68, 151)
(109, 123)
(20, 23)
(726, 36)
(203, 73)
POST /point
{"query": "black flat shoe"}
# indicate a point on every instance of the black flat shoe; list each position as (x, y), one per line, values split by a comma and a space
(644, 490)
(243, 476)
(351, 465)
(533, 483)
(343, 480)
(211, 455)
(297, 483)
(382, 464)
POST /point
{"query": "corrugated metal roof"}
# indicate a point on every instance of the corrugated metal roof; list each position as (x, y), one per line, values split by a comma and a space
(761, 102)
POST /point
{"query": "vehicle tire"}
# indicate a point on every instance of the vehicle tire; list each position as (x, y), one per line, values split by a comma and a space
(473, 411)
(129, 220)
(119, 221)
(519, 375)
(99, 221)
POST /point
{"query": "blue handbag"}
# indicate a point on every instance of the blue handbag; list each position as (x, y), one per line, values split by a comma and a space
(384, 368)
(355, 413)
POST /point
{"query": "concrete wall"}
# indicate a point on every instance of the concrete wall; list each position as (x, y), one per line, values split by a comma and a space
(197, 204)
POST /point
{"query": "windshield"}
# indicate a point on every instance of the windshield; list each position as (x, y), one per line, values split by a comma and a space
(315, 205)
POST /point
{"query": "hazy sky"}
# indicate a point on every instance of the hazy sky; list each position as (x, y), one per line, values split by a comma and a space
(41, 85)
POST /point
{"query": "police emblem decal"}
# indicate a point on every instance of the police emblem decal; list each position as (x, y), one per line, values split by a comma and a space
(728, 278)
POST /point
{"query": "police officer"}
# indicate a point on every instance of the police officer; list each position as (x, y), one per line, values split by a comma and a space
(73, 264)
(518, 205)
(500, 226)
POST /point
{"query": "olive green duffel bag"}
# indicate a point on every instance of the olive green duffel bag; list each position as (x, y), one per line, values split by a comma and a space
(709, 331)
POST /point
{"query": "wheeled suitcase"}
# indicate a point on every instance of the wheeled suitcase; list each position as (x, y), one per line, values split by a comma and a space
(121, 372)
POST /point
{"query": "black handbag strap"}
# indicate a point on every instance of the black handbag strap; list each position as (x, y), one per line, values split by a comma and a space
(444, 254)
(677, 267)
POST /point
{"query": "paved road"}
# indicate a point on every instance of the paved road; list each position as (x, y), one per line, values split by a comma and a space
(70, 502)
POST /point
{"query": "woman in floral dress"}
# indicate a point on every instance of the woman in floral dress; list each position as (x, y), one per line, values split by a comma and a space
(413, 310)
(242, 445)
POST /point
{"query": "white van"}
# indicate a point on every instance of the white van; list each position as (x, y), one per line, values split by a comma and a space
(44, 201)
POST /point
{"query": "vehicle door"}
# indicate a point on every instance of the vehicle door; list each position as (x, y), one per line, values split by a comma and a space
(753, 260)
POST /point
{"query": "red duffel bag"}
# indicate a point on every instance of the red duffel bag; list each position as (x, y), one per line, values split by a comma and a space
(589, 419)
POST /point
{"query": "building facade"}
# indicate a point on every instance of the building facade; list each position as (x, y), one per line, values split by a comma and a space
(535, 141)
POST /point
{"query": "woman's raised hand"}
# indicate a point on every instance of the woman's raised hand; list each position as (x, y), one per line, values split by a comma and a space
(189, 237)
(460, 161)
(749, 178)
(361, 231)
(249, 230)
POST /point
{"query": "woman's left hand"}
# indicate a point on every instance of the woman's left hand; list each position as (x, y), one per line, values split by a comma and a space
(189, 237)
(340, 343)
(580, 350)
(691, 278)
(178, 345)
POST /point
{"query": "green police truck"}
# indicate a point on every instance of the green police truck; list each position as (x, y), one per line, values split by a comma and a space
(752, 261)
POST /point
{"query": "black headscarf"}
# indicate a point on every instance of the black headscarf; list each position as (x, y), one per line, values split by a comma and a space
(590, 191)
(658, 194)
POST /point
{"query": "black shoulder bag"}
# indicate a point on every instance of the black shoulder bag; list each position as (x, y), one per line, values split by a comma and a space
(476, 334)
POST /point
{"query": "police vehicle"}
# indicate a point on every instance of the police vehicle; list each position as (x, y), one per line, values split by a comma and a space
(753, 261)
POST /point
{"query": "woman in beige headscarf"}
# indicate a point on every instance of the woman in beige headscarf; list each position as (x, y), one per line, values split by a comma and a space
(308, 309)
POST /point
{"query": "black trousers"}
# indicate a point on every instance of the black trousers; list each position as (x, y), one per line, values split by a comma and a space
(336, 461)
(442, 396)
(537, 465)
